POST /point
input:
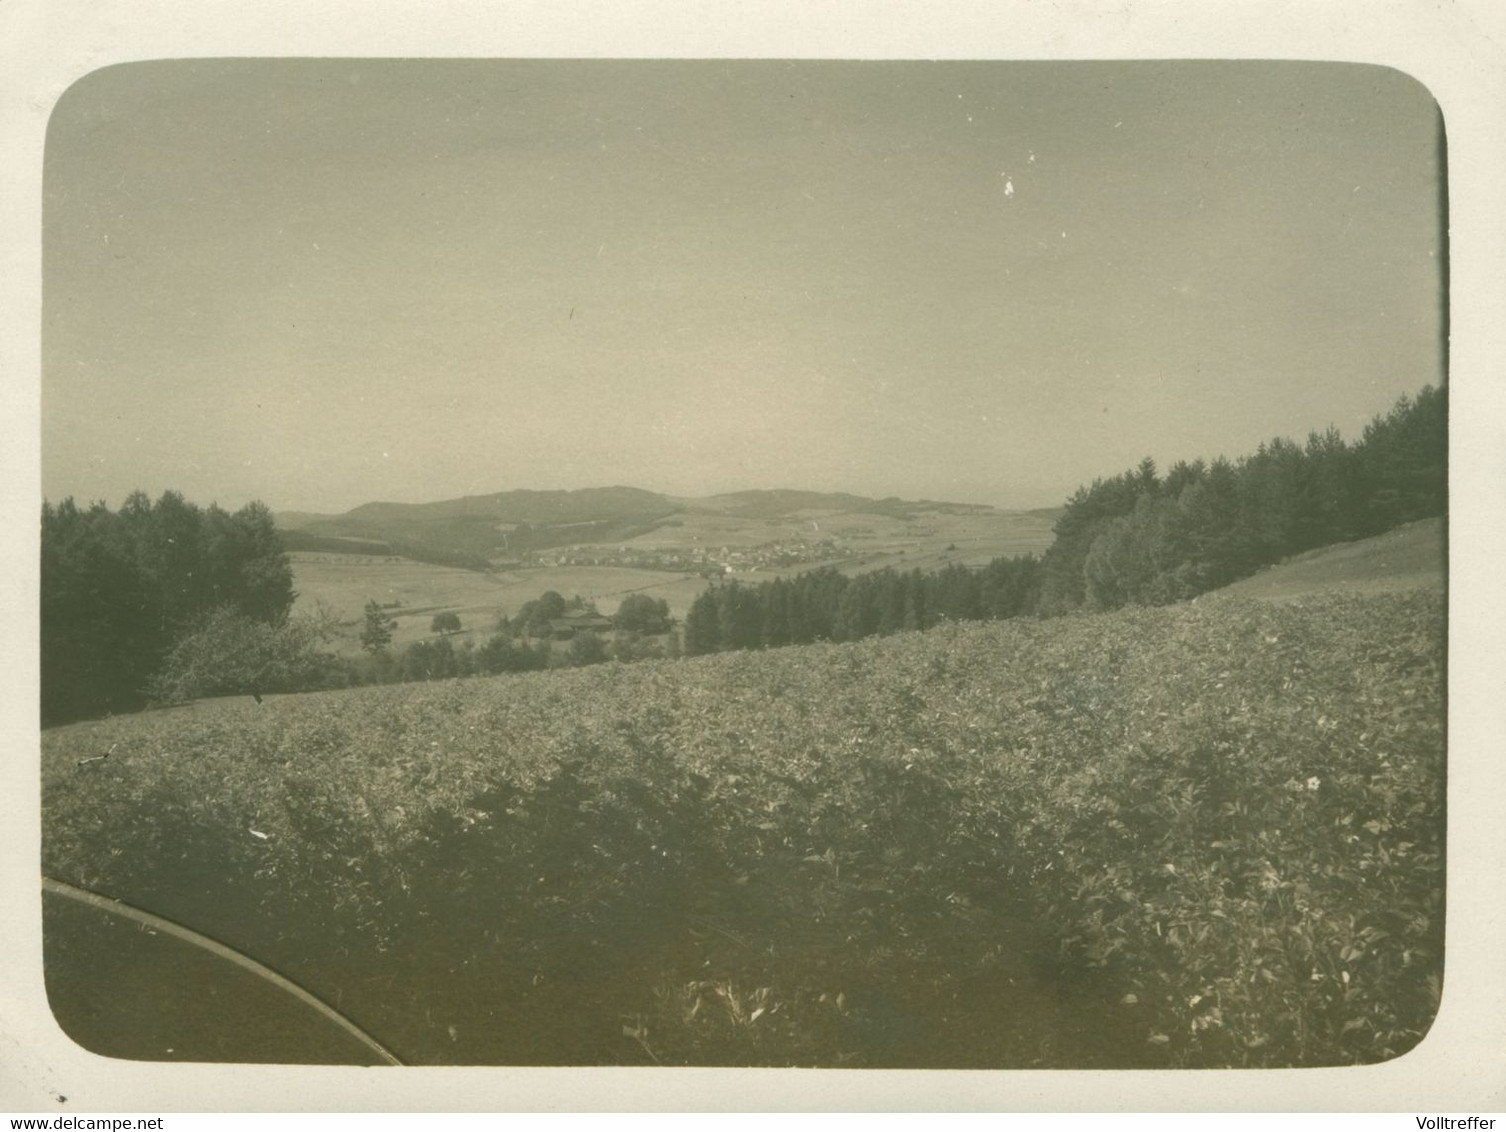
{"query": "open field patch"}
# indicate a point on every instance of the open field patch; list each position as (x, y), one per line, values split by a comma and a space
(346, 582)
(971, 536)
(1201, 835)
(1408, 557)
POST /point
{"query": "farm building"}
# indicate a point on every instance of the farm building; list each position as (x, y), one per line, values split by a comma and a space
(563, 628)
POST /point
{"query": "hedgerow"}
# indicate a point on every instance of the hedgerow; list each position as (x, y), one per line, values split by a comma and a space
(1203, 835)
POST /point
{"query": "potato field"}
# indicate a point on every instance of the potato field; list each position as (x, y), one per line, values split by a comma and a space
(1205, 835)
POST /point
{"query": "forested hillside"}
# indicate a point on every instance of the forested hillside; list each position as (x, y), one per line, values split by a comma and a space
(1141, 538)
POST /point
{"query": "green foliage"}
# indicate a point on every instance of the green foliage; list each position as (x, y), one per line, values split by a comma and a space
(826, 605)
(1403, 462)
(587, 648)
(702, 633)
(376, 630)
(628, 647)
(503, 654)
(640, 613)
(507, 650)
(228, 653)
(431, 660)
(533, 619)
(1203, 835)
(120, 588)
(817, 606)
(1136, 539)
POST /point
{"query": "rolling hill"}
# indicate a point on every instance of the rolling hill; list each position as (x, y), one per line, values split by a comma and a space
(476, 530)
(484, 556)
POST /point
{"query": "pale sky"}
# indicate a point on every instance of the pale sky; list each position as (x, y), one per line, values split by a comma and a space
(322, 283)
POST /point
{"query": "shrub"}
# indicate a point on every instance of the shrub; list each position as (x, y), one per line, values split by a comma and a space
(228, 653)
(587, 648)
(640, 613)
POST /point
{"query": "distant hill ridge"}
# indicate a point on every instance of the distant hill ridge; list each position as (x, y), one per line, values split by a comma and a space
(589, 504)
(525, 506)
(473, 528)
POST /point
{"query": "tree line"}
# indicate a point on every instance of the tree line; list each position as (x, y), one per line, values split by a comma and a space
(825, 605)
(1142, 538)
(1136, 538)
(500, 653)
(163, 602)
(120, 590)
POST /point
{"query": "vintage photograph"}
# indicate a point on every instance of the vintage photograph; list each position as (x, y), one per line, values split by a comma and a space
(740, 563)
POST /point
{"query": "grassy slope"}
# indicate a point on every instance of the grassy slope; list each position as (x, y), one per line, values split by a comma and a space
(1202, 835)
(1408, 557)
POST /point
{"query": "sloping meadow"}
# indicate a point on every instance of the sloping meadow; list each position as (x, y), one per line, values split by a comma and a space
(1203, 835)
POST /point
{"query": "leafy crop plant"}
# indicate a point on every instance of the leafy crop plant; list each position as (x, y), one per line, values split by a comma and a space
(1199, 835)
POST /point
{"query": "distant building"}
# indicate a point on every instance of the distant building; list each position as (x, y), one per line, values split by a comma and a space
(563, 628)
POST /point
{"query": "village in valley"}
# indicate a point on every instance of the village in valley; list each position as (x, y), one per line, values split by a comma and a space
(708, 561)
